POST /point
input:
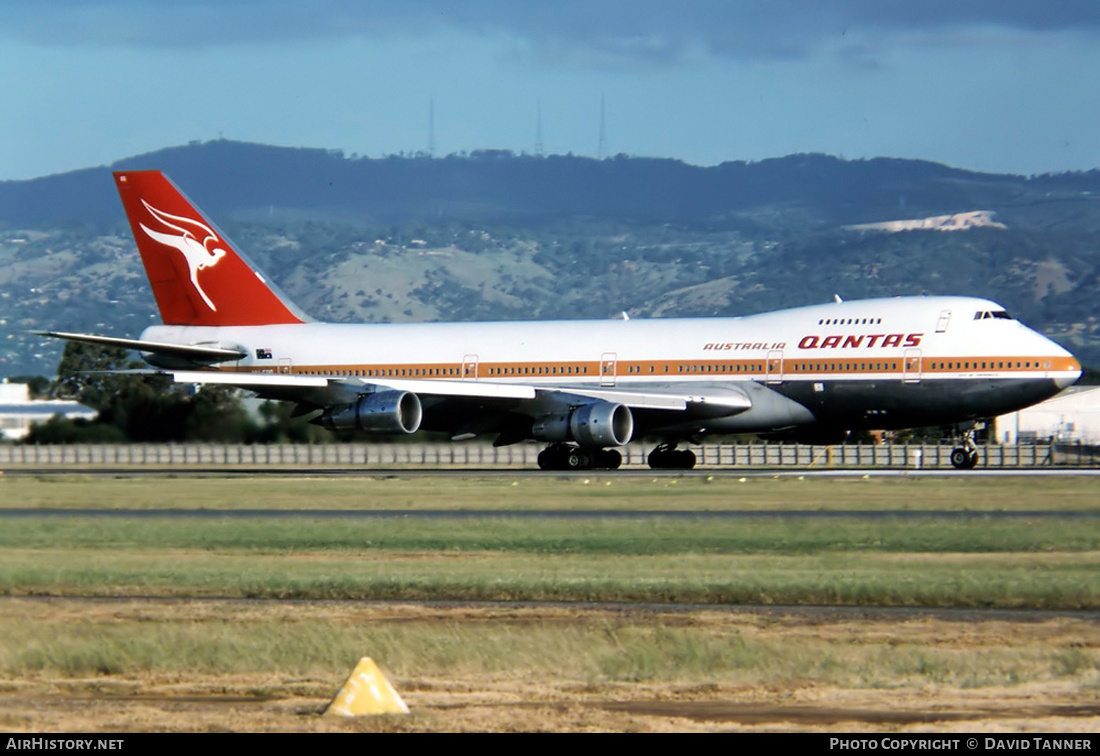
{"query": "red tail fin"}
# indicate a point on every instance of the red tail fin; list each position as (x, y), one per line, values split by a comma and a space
(198, 278)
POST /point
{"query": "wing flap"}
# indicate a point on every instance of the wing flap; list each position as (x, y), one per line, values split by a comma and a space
(249, 380)
(711, 400)
(473, 389)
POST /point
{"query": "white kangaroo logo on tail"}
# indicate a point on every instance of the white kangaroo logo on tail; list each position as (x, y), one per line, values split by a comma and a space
(198, 254)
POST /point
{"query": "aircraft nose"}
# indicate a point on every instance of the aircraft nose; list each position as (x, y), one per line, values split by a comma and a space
(1067, 380)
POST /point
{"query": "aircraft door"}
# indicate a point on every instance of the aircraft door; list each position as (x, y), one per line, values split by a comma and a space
(774, 367)
(608, 368)
(911, 367)
(469, 367)
(941, 324)
(284, 365)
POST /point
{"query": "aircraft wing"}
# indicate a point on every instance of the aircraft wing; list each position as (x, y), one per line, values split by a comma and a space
(323, 391)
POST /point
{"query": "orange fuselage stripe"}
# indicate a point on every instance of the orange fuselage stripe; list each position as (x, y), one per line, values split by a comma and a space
(789, 367)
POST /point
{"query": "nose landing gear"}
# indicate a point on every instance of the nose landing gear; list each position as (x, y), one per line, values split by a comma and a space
(965, 456)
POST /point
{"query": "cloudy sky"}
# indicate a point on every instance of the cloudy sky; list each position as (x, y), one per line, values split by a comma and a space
(993, 85)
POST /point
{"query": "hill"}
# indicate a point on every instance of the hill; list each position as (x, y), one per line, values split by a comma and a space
(233, 178)
(493, 235)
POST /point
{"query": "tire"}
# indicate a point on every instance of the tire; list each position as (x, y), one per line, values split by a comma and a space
(961, 458)
(576, 460)
(671, 459)
(607, 459)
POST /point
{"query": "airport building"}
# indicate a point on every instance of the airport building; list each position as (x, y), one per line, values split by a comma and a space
(1072, 416)
(18, 412)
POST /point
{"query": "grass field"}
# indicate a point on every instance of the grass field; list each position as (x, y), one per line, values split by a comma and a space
(607, 491)
(179, 616)
(925, 560)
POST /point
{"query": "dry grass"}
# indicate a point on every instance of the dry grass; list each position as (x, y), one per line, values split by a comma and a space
(248, 666)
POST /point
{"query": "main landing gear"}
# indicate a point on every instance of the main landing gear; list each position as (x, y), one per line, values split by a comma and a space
(965, 457)
(668, 457)
(573, 457)
(570, 457)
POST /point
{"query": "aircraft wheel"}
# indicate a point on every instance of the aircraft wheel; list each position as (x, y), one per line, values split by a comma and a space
(665, 458)
(547, 460)
(607, 459)
(575, 459)
(563, 457)
(964, 459)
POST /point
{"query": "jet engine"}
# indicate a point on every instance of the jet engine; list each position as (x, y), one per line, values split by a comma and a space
(380, 412)
(595, 425)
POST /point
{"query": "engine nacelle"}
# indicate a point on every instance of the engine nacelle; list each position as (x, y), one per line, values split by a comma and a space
(380, 412)
(594, 425)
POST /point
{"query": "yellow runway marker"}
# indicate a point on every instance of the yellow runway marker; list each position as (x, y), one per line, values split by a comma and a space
(366, 691)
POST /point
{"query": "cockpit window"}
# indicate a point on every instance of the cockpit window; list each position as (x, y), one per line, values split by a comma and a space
(987, 315)
(1002, 315)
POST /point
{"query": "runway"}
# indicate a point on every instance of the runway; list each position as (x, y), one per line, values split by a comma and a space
(489, 472)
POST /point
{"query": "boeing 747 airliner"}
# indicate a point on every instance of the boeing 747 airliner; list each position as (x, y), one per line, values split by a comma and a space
(581, 387)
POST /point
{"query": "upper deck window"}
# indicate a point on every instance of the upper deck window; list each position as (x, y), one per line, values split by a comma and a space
(988, 315)
(853, 321)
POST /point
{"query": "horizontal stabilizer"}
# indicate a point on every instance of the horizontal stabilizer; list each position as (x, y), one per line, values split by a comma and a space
(183, 351)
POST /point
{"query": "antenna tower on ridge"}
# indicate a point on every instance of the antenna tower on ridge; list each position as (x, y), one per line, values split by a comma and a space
(603, 130)
(538, 130)
(431, 127)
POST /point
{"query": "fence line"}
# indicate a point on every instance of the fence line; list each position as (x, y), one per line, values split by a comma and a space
(524, 455)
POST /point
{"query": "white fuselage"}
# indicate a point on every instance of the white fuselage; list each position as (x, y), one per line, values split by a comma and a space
(833, 358)
(859, 340)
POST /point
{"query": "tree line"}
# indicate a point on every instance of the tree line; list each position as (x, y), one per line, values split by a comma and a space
(151, 408)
